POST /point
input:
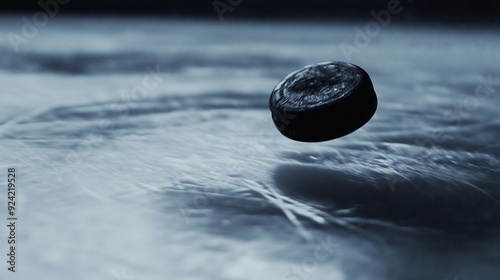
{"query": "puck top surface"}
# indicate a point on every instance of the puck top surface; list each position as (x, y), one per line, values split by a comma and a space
(316, 85)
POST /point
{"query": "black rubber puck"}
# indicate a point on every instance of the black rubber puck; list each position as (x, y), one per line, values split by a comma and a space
(323, 101)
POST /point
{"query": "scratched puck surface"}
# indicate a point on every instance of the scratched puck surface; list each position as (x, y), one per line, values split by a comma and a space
(323, 101)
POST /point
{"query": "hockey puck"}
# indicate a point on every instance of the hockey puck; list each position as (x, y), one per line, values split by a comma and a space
(323, 101)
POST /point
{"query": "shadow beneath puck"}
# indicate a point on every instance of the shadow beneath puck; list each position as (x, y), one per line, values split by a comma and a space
(365, 194)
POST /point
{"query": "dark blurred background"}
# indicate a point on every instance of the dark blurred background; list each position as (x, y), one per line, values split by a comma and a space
(455, 11)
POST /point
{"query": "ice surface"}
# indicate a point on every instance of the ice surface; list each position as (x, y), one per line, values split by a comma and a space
(193, 181)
